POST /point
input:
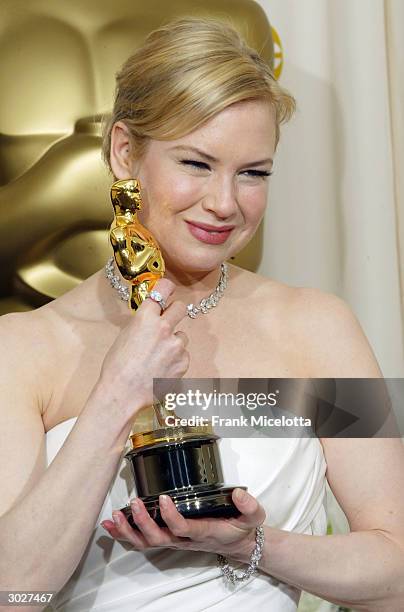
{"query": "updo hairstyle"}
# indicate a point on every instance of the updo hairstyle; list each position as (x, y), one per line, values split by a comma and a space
(185, 73)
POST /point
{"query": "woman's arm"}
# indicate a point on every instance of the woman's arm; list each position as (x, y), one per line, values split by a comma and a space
(47, 515)
(365, 568)
(44, 533)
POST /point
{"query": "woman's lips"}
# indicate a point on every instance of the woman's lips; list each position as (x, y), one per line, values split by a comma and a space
(207, 235)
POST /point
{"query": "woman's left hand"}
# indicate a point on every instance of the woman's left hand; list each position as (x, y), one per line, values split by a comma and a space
(234, 536)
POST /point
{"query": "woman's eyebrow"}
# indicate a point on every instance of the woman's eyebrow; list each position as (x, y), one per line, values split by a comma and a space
(210, 158)
(195, 150)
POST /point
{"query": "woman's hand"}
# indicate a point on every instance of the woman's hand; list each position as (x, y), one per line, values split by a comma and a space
(234, 537)
(148, 347)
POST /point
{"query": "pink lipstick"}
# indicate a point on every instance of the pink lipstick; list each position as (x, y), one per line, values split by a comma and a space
(210, 234)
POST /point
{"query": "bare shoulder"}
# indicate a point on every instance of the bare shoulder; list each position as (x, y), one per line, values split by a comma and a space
(27, 341)
(22, 332)
(299, 304)
(332, 334)
(34, 342)
(258, 288)
(324, 329)
(40, 338)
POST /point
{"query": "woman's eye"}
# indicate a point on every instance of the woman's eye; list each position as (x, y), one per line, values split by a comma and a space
(195, 164)
(257, 173)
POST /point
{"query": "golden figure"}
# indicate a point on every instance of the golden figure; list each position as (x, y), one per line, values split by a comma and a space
(50, 156)
(136, 252)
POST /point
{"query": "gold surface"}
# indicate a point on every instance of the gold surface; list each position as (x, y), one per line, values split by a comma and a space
(136, 252)
(169, 434)
(58, 61)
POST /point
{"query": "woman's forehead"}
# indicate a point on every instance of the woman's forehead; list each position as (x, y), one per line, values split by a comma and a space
(246, 129)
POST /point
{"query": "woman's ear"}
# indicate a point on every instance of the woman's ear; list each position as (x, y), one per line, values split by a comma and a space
(121, 151)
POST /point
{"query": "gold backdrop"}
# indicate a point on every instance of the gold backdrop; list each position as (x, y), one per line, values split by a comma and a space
(58, 61)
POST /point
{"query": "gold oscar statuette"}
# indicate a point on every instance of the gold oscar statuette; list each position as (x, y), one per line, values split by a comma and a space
(183, 462)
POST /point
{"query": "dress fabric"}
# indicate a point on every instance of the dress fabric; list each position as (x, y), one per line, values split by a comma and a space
(286, 475)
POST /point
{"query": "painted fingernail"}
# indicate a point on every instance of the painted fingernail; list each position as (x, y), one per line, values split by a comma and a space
(117, 518)
(240, 495)
(163, 501)
(134, 504)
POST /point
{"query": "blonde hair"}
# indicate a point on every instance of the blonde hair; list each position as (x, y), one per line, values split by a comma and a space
(185, 73)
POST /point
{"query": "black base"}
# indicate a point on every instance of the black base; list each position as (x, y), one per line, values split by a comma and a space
(214, 503)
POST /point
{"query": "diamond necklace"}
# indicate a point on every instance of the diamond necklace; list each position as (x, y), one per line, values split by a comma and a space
(204, 306)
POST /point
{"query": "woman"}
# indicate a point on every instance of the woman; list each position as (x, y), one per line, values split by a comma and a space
(196, 120)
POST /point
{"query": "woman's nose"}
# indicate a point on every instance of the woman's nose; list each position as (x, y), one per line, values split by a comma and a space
(221, 199)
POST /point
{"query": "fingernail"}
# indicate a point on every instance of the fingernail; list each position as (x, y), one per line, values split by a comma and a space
(117, 518)
(241, 495)
(163, 501)
(134, 504)
(104, 526)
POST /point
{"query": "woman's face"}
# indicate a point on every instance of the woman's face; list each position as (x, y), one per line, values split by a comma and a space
(205, 193)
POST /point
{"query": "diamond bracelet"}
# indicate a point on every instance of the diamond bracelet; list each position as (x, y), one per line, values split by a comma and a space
(230, 574)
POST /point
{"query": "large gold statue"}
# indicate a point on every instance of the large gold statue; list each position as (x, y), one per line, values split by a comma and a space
(50, 156)
(136, 252)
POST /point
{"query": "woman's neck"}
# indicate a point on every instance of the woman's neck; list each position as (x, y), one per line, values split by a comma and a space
(191, 288)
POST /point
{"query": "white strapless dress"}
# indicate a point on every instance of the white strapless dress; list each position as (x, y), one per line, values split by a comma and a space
(286, 475)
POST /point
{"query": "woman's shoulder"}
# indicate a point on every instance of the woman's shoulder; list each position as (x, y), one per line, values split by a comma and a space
(41, 348)
(298, 301)
(46, 328)
(322, 325)
(327, 326)
(26, 362)
(33, 329)
(23, 330)
(28, 341)
(310, 299)
(256, 286)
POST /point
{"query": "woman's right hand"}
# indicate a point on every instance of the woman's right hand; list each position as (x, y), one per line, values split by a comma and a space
(148, 347)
